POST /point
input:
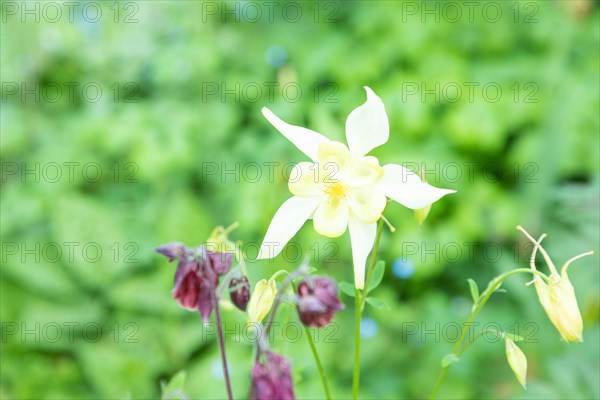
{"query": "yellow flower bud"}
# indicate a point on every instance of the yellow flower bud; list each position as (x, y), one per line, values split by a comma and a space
(261, 300)
(557, 295)
(517, 361)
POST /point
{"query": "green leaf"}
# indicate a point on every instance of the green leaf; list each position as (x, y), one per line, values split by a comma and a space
(377, 275)
(449, 359)
(474, 290)
(501, 290)
(347, 288)
(174, 389)
(377, 303)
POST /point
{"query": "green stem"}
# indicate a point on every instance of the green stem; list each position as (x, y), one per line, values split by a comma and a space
(360, 298)
(492, 287)
(357, 315)
(313, 348)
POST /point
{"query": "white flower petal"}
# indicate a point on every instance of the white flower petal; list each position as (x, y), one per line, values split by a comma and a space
(304, 139)
(331, 217)
(334, 158)
(367, 203)
(304, 180)
(365, 170)
(404, 186)
(286, 222)
(367, 126)
(362, 238)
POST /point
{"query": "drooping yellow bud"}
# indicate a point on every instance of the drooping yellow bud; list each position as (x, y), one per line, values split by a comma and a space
(517, 361)
(261, 300)
(557, 295)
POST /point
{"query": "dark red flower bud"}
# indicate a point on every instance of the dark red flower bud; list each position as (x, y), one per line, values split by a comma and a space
(221, 262)
(318, 301)
(239, 291)
(172, 250)
(195, 279)
(272, 380)
(187, 284)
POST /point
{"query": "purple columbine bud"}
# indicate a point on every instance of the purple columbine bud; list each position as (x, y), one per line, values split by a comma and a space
(221, 262)
(239, 291)
(187, 284)
(318, 301)
(195, 278)
(172, 250)
(272, 380)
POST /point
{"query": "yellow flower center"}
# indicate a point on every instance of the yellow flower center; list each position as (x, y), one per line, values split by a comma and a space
(335, 190)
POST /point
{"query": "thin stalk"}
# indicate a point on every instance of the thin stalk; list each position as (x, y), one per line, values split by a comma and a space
(357, 315)
(278, 297)
(222, 348)
(492, 287)
(313, 348)
(360, 298)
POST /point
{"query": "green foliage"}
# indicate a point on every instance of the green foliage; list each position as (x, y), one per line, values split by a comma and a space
(529, 158)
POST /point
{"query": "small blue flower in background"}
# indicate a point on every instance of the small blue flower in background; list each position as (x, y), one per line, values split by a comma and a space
(276, 56)
(403, 268)
(368, 328)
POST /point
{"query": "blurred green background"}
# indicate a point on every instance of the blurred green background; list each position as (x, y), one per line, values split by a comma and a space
(154, 94)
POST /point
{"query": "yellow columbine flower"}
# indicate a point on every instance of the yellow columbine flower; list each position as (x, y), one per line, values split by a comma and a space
(343, 188)
(557, 296)
(261, 300)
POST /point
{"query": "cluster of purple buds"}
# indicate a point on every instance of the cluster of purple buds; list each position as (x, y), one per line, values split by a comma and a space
(272, 380)
(197, 276)
(318, 301)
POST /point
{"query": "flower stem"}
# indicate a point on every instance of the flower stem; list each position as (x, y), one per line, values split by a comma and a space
(491, 288)
(313, 348)
(222, 347)
(357, 315)
(360, 298)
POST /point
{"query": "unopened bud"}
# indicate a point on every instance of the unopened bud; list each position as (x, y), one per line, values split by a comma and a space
(318, 301)
(517, 361)
(261, 300)
(272, 380)
(240, 291)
